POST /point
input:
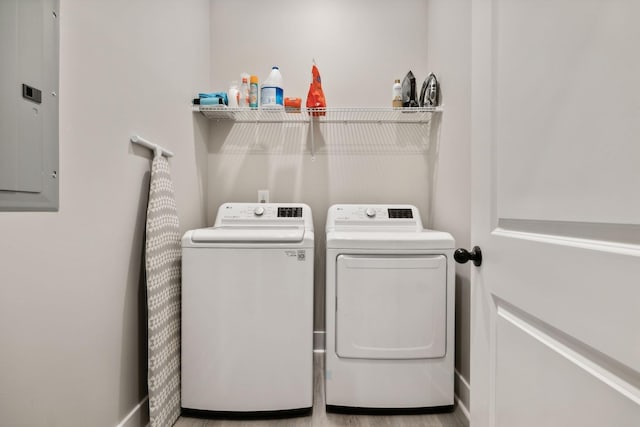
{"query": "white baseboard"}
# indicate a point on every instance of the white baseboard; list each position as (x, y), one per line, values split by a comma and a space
(463, 391)
(139, 415)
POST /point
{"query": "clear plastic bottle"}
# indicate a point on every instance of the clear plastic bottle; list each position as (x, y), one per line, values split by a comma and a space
(244, 93)
(272, 94)
(233, 95)
(397, 94)
(253, 92)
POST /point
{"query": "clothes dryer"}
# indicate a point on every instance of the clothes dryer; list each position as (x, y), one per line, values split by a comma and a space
(389, 311)
(247, 311)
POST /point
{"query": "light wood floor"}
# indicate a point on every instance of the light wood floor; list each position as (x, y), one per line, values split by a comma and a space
(321, 418)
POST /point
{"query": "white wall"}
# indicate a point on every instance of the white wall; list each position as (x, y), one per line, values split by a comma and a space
(449, 53)
(360, 47)
(71, 328)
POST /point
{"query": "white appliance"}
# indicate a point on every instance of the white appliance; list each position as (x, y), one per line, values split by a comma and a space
(389, 311)
(247, 311)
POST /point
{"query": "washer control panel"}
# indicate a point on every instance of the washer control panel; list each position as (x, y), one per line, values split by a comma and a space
(285, 214)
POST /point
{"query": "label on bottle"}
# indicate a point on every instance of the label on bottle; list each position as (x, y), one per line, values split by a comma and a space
(253, 95)
(272, 95)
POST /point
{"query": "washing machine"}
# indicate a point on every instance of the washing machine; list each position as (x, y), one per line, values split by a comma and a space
(247, 312)
(389, 311)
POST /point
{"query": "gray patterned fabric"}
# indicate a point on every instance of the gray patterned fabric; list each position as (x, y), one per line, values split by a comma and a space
(163, 258)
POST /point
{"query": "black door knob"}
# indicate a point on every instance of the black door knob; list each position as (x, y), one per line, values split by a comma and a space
(463, 255)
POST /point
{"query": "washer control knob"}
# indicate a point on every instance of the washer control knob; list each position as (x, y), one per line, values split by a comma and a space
(370, 212)
(259, 211)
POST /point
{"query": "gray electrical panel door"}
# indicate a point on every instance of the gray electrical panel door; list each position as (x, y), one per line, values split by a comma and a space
(29, 44)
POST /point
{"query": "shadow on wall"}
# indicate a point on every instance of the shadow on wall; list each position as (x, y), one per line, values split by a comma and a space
(135, 310)
(433, 154)
(201, 134)
(333, 137)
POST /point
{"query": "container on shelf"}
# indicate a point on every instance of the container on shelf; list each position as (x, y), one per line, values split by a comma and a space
(272, 94)
(396, 94)
(244, 93)
(253, 92)
(233, 95)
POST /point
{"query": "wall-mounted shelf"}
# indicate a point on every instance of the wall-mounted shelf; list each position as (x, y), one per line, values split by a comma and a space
(322, 115)
(317, 118)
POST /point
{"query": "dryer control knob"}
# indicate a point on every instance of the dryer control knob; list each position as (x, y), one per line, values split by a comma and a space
(370, 212)
(259, 211)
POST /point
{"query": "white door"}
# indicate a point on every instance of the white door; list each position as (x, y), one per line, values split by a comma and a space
(556, 211)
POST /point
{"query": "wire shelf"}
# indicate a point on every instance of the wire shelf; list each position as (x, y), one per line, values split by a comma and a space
(321, 115)
(335, 130)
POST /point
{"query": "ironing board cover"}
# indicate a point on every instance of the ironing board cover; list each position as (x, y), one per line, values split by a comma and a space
(162, 259)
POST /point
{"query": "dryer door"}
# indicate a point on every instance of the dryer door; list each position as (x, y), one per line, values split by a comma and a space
(391, 307)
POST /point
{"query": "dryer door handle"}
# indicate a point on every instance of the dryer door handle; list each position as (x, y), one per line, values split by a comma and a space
(462, 256)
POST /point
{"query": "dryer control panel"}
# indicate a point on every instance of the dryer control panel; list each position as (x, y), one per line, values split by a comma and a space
(404, 216)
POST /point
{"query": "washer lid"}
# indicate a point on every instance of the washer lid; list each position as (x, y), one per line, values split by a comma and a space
(276, 234)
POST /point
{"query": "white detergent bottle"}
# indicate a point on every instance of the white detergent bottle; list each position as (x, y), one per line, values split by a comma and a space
(272, 94)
